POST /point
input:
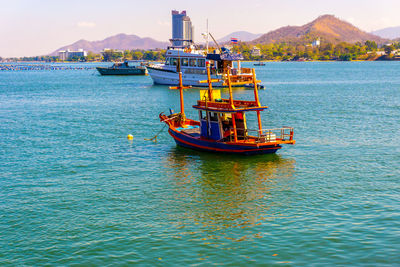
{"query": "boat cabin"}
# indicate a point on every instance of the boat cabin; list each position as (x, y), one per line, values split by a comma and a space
(192, 61)
(130, 64)
(219, 125)
(221, 120)
(187, 57)
(223, 63)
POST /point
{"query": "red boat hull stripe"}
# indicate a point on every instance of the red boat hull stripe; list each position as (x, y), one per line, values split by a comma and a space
(220, 149)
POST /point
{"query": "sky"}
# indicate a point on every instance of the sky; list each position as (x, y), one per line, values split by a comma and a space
(39, 27)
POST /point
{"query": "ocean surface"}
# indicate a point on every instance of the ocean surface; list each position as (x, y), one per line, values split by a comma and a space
(75, 191)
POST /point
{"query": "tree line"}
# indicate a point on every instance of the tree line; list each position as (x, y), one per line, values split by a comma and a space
(325, 51)
(368, 50)
(115, 55)
(109, 55)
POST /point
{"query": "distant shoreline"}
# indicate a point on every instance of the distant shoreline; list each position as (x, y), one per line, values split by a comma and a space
(246, 61)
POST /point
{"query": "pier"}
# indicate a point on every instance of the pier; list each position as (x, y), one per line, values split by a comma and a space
(40, 67)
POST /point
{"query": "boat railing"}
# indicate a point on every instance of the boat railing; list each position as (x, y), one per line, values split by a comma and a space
(245, 71)
(262, 136)
(241, 71)
(242, 76)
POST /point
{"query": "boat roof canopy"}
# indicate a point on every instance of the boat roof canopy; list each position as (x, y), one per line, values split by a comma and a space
(225, 56)
(134, 61)
(229, 110)
(225, 106)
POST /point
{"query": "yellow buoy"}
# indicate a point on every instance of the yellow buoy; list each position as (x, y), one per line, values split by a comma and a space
(130, 137)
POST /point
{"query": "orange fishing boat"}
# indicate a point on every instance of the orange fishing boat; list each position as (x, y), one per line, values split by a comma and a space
(222, 125)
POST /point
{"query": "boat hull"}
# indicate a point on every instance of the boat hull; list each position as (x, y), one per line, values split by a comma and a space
(221, 147)
(116, 71)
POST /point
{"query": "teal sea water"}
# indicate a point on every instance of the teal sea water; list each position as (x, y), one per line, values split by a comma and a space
(74, 190)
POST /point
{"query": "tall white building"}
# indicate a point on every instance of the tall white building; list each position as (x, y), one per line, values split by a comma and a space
(68, 54)
(182, 29)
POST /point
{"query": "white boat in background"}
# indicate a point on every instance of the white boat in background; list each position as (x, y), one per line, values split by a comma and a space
(192, 63)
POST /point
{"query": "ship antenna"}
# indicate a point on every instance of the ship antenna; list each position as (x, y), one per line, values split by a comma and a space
(207, 37)
(219, 48)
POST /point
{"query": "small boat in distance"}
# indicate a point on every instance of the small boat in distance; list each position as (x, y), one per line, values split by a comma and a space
(222, 125)
(133, 67)
(259, 64)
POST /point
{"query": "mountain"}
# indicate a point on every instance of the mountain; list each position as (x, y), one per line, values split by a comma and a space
(327, 27)
(389, 33)
(240, 35)
(119, 41)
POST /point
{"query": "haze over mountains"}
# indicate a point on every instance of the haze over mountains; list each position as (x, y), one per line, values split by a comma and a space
(243, 36)
(327, 28)
(119, 41)
(389, 33)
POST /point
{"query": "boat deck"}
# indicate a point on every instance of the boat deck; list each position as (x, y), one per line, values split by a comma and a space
(191, 130)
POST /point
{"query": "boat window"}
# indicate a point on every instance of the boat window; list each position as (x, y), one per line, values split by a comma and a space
(213, 116)
(185, 62)
(202, 115)
(192, 62)
(173, 61)
(167, 61)
(226, 121)
(195, 71)
(201, 62)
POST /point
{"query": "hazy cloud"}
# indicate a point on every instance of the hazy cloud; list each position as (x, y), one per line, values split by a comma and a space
(164, 23)
(86, 24)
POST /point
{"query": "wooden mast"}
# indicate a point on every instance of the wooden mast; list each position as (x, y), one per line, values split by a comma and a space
(230, 88)
(232, 104)
(256, 98)
(181, 87)
(255, 88)
(210, 89)
(181, 95)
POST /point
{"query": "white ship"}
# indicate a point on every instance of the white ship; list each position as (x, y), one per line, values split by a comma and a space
(192, 63)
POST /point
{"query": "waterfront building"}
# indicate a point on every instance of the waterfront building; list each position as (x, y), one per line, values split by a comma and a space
(69, 54)
(378, 53)
(109, 50)
(316, 43)
(256, 52)
(182, 29)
